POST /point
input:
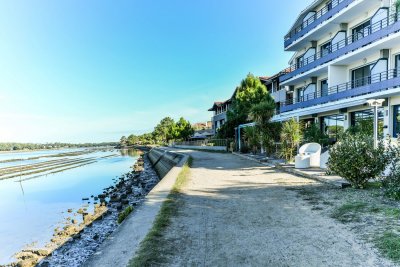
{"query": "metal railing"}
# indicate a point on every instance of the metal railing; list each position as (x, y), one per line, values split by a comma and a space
(379, 25)
(375, 78)
(207, 142)
(317, 15)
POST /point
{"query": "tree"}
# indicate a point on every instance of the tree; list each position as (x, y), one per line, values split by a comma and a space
(291, 136)
(165, 130)
(183, 129)
(123, 141)
(132, 140)
(262, 113)
(249, 93)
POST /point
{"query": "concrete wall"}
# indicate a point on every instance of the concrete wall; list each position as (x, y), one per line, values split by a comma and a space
(163, 161)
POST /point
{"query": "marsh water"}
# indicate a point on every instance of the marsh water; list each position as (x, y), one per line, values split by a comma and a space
(41, 190)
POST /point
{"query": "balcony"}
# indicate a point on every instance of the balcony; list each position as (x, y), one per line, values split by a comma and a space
(371, 84)
(374, 32)
(324, 14)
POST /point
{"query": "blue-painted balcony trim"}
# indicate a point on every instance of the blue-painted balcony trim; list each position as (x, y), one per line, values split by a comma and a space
(373, 37)
(295, 36)
(345, 91)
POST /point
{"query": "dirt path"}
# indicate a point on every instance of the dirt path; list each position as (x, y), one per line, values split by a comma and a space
(239, 213)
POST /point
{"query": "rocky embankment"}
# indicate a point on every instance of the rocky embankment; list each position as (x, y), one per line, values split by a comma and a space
(78, 239)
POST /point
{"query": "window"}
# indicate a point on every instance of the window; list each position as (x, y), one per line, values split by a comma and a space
(397, 66)
(333, 126)
(300, 94)
(363, 121)
(325, 49)
(324, 88)
(361, 76)
(361, 30)
(299, 62)
(396, 121)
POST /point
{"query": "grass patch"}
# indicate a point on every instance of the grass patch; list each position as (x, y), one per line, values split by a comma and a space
(389, 244)
(122, 215)
(373, 185)
(349, 212)
(392, 212)
(152, 250)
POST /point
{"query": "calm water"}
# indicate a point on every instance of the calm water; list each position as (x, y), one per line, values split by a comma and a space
(30, 210)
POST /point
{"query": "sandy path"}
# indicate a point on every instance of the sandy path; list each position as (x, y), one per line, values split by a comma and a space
(239, 213)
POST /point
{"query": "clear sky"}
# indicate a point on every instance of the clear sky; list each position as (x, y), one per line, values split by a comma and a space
(93, 70)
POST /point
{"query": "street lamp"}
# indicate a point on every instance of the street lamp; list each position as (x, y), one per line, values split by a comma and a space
(375, 103)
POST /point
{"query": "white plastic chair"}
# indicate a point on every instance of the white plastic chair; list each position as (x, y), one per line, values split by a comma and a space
(314, 151)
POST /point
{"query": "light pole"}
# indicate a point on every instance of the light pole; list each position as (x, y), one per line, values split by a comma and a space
(375, 103)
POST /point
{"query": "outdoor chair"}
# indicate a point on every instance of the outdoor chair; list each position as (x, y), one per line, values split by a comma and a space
(311, 150)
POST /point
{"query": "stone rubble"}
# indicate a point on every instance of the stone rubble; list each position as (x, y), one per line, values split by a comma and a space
(75, 243)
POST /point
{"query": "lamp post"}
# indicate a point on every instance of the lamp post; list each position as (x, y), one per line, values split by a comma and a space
(375, 103)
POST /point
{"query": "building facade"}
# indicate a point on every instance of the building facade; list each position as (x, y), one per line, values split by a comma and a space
(346, 52)
(219, 117)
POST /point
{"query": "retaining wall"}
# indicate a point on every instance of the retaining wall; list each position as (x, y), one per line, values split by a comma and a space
(163, 161)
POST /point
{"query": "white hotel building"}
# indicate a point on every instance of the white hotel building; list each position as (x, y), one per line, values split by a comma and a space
(345, 53)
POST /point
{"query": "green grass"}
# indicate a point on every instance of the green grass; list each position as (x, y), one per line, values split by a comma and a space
(122, 215)
(152, 251)
(392, 212)
(349, 212)
(389, 244)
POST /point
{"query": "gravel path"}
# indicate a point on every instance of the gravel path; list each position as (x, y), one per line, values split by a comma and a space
(240, 213)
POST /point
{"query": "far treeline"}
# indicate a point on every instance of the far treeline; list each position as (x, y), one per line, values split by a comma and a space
(166, 130)
(33, 146)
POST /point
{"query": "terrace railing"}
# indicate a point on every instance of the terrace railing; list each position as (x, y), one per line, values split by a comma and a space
(370, 84)
(357, 40)
(207, 142)
(325, 13)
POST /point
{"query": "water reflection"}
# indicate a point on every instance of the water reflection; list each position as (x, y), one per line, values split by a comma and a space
(134, 153)
(30, 209)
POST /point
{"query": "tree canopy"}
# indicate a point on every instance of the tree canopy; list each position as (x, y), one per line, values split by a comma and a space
(248, 95)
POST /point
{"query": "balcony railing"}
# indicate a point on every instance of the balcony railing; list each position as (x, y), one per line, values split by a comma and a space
(366, 85)
(331, 8)
(348, 44)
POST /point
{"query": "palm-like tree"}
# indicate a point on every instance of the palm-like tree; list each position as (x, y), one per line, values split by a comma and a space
(261, 114)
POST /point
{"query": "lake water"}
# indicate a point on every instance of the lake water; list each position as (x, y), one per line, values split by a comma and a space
(34, 204)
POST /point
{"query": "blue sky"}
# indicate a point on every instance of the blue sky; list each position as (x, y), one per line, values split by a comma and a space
(93, 70)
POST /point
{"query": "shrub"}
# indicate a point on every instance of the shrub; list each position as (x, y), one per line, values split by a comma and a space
(391, 182)
(252, 138)
(313, 134)
(291, 135)
(355, 159)
(122, 215)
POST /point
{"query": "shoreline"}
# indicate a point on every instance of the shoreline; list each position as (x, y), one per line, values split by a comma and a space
(76, 242)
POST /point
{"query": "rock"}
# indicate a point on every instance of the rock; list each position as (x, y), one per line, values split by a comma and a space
(69, 210)
(114, 198)
(41, 252)
(85, 198)
(95, 237)
(27, 263)
(125, 202)
(118, 206)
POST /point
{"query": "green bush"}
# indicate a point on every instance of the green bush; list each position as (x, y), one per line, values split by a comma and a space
(355, 159)
(123, 214)
(313, 134)
(291, 136)
(391, 182)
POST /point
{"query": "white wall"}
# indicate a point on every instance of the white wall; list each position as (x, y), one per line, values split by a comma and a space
(337, 75)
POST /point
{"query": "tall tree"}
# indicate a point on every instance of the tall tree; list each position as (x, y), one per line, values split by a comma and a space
(123, 141)
(132, 140)
(262, 114)
(183, 129)
(250, 92)
(165, 130)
